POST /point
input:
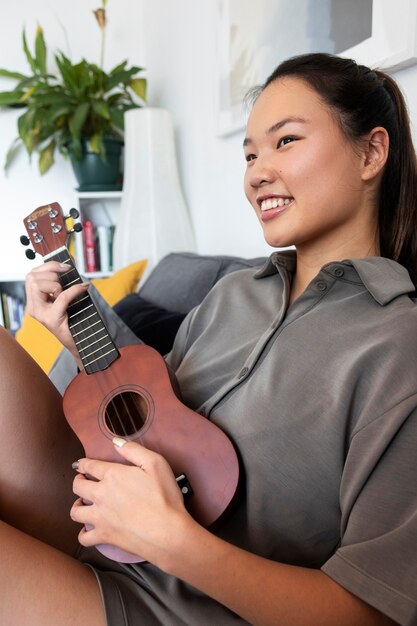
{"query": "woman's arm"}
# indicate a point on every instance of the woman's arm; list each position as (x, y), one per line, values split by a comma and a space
(261, 591)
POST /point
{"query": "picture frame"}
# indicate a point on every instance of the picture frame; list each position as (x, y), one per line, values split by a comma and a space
(393, 44)
(250, 45)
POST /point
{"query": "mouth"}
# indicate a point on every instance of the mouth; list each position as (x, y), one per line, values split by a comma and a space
(273, 205)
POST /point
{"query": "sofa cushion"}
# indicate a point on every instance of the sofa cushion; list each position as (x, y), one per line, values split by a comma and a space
(156, 327)
(181, 280)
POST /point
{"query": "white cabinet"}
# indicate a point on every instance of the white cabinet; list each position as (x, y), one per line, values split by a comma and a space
(93, 246)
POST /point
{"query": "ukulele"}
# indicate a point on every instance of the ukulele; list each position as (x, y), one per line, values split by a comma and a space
(129, 392)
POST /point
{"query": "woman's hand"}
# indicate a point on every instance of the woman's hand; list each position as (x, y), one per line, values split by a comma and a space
(138, 508)
(47, 302)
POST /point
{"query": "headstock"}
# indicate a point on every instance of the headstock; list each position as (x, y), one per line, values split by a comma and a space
(47, 230)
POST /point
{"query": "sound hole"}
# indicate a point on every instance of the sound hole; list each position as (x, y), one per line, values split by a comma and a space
(126, 413)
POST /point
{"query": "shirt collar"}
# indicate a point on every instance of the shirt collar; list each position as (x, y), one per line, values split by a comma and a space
(383, 278)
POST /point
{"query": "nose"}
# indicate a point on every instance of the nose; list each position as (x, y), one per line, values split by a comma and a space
(261, 173)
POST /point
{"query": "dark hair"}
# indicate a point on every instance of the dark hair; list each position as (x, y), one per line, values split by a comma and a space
(362, 99)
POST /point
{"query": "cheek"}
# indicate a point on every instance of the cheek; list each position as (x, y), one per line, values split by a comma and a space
(248, 189)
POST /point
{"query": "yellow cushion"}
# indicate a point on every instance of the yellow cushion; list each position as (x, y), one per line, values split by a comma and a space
(44, 347)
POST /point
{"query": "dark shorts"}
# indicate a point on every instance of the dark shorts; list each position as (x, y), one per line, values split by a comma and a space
(136, 595)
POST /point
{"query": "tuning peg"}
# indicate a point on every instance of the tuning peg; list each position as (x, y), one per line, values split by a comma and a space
(77, 227)
(30, 254)
(25, 241)
(74, 213)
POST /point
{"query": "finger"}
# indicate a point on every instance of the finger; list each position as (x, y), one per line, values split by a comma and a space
(135, 453)
(88, 537)
(82, 513)
(84, 487)
(52, 266)
(66, 296)
(142, 457)
(92, 468)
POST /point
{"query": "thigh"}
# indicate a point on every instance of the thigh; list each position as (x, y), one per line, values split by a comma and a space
(37, 448)
(41, 586)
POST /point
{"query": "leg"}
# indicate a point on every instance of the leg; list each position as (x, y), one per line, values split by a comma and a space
(41, 586)
(37, 448)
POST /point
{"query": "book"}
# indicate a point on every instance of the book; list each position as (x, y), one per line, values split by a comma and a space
(103, 239)
(90, 253)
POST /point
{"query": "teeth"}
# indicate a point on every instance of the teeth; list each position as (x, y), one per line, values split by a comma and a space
(273, 203)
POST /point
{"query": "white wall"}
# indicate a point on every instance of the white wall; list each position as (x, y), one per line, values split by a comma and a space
(176, 42)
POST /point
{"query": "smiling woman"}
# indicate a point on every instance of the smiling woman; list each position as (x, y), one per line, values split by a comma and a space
(308, 364)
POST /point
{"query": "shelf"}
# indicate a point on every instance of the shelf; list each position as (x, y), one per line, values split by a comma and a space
(99, 195)
(12, 278)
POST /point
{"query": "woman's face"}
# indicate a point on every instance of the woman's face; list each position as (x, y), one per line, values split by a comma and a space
(303, 176)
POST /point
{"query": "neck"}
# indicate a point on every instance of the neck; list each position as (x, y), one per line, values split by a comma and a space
(309, 263)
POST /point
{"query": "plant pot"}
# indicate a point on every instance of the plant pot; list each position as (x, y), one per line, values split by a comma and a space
(94, 174)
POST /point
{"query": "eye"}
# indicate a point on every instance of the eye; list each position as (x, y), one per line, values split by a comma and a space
(286, 140)
(250, 157)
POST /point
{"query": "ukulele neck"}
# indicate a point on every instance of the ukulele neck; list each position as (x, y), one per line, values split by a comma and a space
(96, 349)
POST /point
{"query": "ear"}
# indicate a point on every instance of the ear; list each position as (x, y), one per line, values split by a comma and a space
(375, 152)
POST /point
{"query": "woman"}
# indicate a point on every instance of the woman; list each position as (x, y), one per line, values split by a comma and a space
(310, 367)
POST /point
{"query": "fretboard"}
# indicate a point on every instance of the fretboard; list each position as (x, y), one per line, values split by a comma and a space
(94, 344)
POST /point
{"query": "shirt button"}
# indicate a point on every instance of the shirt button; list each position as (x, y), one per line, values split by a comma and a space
(339, 272)
(321, 285)
(243, 372)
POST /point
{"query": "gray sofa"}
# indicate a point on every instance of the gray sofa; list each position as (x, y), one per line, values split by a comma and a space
(176, 285)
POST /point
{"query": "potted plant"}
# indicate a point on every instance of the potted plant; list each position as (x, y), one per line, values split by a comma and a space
(77, 111)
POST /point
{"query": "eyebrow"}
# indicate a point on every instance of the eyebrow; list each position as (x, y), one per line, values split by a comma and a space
(277, 126)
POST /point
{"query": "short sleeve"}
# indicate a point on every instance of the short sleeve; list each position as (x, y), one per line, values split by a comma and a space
(377, 558)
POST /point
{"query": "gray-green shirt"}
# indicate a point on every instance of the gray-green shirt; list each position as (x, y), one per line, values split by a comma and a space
(320, 399)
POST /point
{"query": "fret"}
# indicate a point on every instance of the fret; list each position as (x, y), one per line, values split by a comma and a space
(91, 326)
(80, 349)
(78, 343)
(88, 317)
(96, 360)
(89, 306)
(109, 343)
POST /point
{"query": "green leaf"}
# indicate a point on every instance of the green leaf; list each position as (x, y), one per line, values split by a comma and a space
(101, 109)
(12, 153)
(29, 57)
(40, 50)
(10, 97)
(16, 75)
(120, 78)
(46, 157)
(77, 121)
(138, 85)
(67, 71)
(27, 125)
(117, 117)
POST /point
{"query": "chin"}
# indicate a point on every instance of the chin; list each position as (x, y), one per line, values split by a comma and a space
(278, 242)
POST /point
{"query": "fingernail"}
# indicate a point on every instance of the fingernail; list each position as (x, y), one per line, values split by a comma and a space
(119, 442)
(63, 265)
(75, 465)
